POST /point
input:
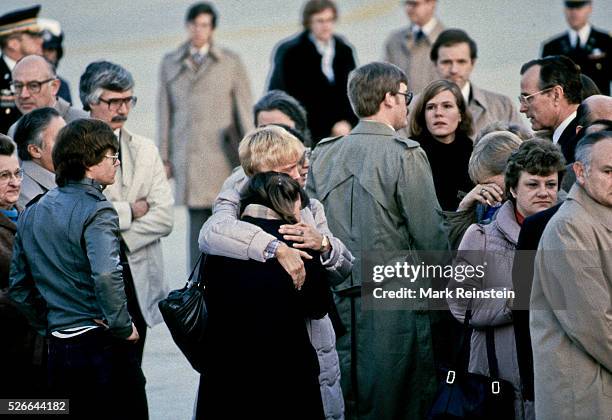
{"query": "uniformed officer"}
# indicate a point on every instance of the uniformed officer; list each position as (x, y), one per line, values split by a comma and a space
(19, 36)
(585, 45)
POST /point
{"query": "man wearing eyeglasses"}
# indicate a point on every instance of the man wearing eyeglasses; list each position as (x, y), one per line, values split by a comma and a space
(550, 95)
(19, 36)
(141, 194)
(35, 86)
(409, 47)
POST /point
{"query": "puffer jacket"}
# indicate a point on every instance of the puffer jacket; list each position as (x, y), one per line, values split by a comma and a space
(223, 234)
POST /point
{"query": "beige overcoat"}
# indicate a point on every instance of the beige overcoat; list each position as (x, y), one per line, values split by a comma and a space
(203, 113)
(571, 312)
(413, 57)
(142, 175)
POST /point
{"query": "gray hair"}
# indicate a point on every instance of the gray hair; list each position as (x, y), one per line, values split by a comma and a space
(584, 147)
(101, 75)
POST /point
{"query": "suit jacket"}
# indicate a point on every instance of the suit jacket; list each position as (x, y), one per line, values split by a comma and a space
(203, 113)
(487, 107)
(568, 141)
(378, 194)
(142, 175)
(413, 57)
(297, 71)
(67, 112)
(571, 312)
(36, 180)
(594, 59)
(8, 110)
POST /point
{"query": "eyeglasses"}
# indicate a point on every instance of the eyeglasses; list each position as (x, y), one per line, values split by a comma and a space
(33, 87)
(6, 176)
(407, 95)
(115, 103)
(114, 157)
(525, 100)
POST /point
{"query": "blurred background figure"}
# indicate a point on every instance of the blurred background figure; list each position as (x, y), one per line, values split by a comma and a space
(588, 47)
(53, 51)
(19, 36)
(313, 67)
(409, 48)
(454, 55)
(204, 104)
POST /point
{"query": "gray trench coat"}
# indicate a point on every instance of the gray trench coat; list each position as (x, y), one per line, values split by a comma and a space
(378, 194)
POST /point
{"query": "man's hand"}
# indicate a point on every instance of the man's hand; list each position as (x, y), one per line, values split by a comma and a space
(134, 337)
(291, 260)
(304, 236)
(139, 208)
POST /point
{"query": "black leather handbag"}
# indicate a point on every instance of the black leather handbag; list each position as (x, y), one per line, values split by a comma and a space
(185, 314)
(470, 396)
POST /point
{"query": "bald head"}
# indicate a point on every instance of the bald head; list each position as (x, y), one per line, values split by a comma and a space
(598, 107)
(35, 84)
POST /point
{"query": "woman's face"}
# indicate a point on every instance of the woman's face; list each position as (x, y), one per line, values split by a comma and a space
(535, 193)
(442, 116)
(10, 181)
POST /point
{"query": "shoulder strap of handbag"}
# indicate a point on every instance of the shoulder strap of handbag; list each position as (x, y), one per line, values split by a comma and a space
(198, 266)
(490, 331)
(491, 356)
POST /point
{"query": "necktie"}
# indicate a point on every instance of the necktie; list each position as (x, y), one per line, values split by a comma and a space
(419, 35)
(198, 59)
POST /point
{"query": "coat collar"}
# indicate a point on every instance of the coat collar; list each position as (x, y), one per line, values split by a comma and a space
(39, 174)
(7, 223)
(506, 223)
(183, 53)
(129, 151)
(597, 211)
(373, 127)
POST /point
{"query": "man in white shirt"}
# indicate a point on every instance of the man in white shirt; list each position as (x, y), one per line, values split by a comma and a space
(454, 55)
(550, 95)
(588, 47)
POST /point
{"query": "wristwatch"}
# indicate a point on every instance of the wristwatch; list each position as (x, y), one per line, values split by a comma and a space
(324, 244)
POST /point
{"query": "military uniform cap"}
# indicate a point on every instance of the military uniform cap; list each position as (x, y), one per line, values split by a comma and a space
(22, 20)
(574, 4)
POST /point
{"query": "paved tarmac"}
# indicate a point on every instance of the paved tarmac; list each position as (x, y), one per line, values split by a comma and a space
(137, 33)
(171, 381)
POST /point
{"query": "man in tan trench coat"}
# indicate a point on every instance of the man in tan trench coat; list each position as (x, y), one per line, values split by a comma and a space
(204, 110)
(571, 299)
(378, 195)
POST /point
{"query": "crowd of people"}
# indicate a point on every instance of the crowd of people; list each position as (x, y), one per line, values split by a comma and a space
(289, 199)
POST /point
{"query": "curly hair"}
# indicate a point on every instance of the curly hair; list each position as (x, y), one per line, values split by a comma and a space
(536, 157)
